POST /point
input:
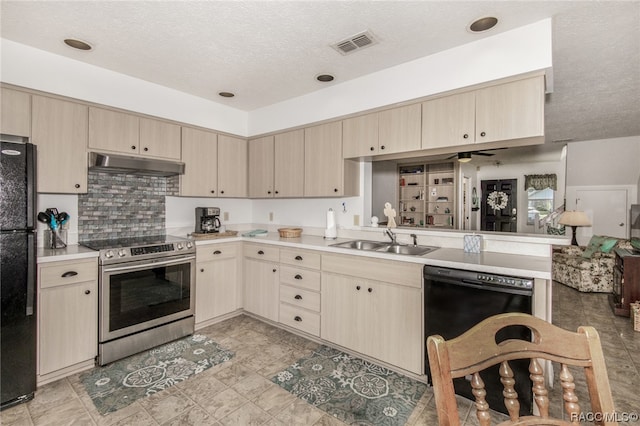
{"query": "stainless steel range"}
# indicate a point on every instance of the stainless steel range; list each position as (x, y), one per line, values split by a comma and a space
(146, 293)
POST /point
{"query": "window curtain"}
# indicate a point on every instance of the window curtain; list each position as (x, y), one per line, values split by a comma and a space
(541, 181)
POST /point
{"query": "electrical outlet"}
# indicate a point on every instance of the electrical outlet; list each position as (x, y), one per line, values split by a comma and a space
(226, 216)
(270, 216)
(356, 220)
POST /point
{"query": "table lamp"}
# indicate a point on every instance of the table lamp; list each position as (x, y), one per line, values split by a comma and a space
(574, 219)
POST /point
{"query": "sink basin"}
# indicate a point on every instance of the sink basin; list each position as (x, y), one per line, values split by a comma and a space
(408, 250)
(385, 247)
(360, 245)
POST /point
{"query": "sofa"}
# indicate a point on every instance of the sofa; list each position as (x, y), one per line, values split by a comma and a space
(588, 268)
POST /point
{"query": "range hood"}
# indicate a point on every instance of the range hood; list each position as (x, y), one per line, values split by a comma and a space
(113, 163)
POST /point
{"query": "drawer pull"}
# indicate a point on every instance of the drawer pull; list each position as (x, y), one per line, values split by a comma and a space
(87, 292)
(202, 270)
(260, 252)
(275, 270)
(370, 290)
(69, 274)
(298, 257)
(298, 297)
(298, 277)
(297, 318)
(217, 252)
(357, 287)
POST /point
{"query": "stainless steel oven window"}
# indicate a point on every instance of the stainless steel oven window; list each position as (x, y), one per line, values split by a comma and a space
(136, 296)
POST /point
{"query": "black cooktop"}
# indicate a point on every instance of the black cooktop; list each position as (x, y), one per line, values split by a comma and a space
(116, 243)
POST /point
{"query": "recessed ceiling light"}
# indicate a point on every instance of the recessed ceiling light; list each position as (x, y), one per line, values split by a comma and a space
(77, 44)
(483, 24)
(226, 94)
(325, 78)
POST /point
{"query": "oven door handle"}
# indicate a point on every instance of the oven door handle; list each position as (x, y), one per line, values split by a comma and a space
(149, 264)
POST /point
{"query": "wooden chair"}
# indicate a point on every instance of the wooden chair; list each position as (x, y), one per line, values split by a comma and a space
(477, 349)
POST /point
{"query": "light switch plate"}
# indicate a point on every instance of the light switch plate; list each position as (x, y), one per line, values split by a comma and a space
(356, 220)
(226, 216)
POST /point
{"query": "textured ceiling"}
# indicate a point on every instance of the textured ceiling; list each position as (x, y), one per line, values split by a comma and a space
(269, 51)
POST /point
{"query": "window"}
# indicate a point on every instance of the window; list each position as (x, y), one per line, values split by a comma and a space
(539, 203)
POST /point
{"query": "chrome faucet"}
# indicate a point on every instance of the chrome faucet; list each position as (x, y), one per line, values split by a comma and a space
(391, 235)
(415, 239)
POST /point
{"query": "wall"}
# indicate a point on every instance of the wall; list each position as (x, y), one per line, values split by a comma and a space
(606, 167)
(510, 53)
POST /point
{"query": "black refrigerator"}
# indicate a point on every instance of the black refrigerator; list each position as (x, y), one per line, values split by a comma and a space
(17, 270)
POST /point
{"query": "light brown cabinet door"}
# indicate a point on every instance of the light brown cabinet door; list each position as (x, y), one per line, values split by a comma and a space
(449, 121)
(289, 164)
(15, 115)
(261, 167)
(59, 129)
(159, 139)
(113, 131)
(399, 129)
(232, 167)
(510, 111)
(261, 288)
(360, 136)
(323, 163)
(200, 156)
(216, 282)
(68, 322)
(342, 309)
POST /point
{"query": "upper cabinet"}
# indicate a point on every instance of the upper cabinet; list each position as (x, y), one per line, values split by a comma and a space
(59, 129)
(130, 134)
(200, 156)
(15, 113)
(399, 129)
(387, 132)
(289, 164)
(159, 139)
(510, 111)
(261, 167)
(326, 174)
(276, 165)
(232, 167)
(513, 110)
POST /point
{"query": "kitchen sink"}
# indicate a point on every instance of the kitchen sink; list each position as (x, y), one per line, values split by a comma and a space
(385, 247)
(361, 245)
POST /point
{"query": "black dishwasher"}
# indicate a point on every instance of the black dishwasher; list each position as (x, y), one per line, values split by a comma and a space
(456, 300)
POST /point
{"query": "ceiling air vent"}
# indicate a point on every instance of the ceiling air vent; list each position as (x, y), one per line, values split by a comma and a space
(355, 42)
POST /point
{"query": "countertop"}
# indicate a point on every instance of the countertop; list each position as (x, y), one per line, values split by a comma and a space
(489, 262)
(71, 252)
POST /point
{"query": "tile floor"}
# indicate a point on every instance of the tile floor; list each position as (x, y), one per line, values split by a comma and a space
(240, 392)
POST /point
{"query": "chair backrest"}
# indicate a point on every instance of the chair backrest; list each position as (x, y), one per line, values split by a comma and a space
(477, 349)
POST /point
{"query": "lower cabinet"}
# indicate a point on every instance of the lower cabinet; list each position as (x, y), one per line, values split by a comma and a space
(217, 272)
(379, 319)
(67, 314)
(261, 281)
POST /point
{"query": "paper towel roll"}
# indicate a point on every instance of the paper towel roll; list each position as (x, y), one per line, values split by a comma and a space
(331, 231)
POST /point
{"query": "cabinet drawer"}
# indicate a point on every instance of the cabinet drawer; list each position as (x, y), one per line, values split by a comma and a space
(299, 297)
(307, 259)
(216, 251)
(300, 277)
(389, 271)
(299, 318)
(69, 272)
(262, 252)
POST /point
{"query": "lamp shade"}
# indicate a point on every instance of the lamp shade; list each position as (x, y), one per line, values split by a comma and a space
(574, 218)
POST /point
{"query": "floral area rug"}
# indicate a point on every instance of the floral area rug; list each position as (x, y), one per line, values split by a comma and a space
(351, 389)
(122, 382)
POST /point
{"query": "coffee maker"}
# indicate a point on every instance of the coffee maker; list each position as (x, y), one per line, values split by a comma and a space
(207, 220)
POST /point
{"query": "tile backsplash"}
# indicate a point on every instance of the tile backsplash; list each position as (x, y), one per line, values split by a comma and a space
(123, 205)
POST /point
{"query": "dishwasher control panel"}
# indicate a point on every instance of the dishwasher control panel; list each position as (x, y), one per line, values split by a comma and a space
(509, 281)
